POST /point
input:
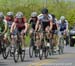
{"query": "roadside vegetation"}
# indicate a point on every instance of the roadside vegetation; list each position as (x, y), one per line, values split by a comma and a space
(57, 7)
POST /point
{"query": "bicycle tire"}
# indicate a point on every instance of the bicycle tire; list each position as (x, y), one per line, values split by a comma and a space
(22, 55)
(61, 46)
(16, 56)
(4, 49)
(40, 54)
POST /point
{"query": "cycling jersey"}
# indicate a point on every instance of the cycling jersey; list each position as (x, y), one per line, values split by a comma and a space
(44, 21)
(2, 26)
(54, 24)
(9, 18)
(63, 26)
(9, 21)
(20, 25)
(33, 21)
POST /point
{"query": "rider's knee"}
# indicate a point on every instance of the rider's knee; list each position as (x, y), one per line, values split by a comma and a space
(47, 29)
(5, 37)
(12, 37)
(31, 31)
(22, 36)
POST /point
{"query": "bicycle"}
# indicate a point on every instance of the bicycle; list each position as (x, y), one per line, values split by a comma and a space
(61, 43)
(32, 46)
(43, 49)
(4, 47)
(18, 49)
(47, 45)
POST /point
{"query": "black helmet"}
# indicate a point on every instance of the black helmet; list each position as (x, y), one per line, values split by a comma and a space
(53, 15)
(44, 11)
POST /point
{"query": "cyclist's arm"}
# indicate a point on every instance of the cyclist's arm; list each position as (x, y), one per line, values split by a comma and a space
(51, 25)
(26, 27)
(37, 24)
(57, 25)
(5, 27)
(29, 22)
(66, 25)
(13, 26)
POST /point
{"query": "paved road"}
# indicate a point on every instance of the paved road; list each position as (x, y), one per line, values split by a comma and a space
(67, 59)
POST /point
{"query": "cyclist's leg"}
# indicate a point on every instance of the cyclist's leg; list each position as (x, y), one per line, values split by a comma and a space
(47, 35)
(23, 39)
(39, 37)
(60, 37)
(55, 38)
(13, 41)
(47, 32)
(5, 38)
(13, 38)
(57, 44)
(31, 32)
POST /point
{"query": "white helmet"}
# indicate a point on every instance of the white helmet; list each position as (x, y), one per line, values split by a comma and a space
(34, 14)
(62, 18)
(10, 14)
(1, 15)
(19, 15)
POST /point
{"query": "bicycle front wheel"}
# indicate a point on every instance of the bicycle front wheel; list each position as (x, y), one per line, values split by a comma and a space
(22, 55)
(5, 50)
(16, 55)
(40, 54)
(61, 46)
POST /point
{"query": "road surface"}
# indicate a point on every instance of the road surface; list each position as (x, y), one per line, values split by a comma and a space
(66, 59)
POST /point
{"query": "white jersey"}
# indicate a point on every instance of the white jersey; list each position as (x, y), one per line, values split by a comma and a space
(60, 22)
(41, 17)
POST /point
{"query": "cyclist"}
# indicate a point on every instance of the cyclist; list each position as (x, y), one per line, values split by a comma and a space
(45, 20)
(21, 26)
(63, 26)
(3, 27)
(9, 18)
(33, 20)
(55, 32)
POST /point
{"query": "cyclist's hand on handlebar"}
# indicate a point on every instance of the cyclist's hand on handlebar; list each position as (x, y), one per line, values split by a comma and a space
(35, 30)
(22, 32)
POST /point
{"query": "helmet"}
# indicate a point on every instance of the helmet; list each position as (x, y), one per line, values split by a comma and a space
(53, 15)
(19, 15)
(33, 14)
(62, 18)
(10, 14)
(44, 11)
(1, 15)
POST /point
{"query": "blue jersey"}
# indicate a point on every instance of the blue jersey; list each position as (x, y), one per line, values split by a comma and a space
(63, 26)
